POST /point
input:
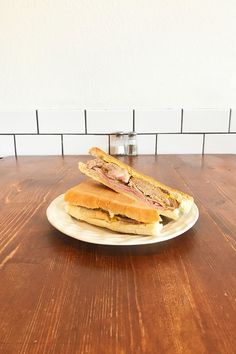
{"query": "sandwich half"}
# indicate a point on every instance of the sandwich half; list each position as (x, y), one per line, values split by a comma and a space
(96, 204)
(124, 179)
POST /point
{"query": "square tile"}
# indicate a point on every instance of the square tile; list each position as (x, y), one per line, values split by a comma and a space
(38, 144)
(7, 145)
(233, 121)
(179, 143)
(220, 144)
(146, 144)
(158, 121)
(17, 122)
(80, 144)
(205, 121)
(109, 121)
(61, 121)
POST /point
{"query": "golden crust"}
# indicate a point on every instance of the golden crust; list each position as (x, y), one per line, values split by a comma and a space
(93, 195)
(94, 151)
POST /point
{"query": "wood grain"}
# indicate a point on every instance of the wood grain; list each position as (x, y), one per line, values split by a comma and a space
(60, 295)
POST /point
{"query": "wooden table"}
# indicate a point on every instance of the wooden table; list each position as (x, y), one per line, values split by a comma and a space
(60, 295)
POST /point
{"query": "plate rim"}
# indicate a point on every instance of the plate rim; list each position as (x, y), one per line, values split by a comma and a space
(139, 239)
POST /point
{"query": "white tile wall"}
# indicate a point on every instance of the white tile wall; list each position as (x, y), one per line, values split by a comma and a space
(61, 121)
(233, 121)
(38, 144)
(75, 131)
(7, 145)
(146, 144)
(18, 122)
(159, 121)
(109, 121)
(179, 144)
(80, 144)
(220, 144)
(206, 121)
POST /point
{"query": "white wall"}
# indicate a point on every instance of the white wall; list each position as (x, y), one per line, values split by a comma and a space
(113, 54)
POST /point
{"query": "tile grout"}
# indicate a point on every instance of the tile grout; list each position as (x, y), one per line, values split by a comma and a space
(133, 120)
(109, 143)
(230, 114)
(156, 144)
(102, 134)
(182, 120)
(203, 144)
(62, 145)
(15, 149)
(37, 121)
(85, 122)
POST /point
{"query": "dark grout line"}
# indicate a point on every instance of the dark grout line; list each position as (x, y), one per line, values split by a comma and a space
(182, 120)
(133, 120)
(85, 122)
(62, 145)
(97, 134)
(187, 133)
(37, 121)
(156, 144)
(14, 137)
(109, 144)
(230, 114)
(104, 134)
(203, 144)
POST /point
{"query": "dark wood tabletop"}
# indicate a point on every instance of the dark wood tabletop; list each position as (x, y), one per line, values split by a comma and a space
(61, 295)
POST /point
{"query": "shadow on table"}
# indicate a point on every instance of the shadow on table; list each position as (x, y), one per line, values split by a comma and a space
(179, 245)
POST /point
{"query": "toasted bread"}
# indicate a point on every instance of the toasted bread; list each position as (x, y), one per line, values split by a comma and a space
(184, 200)
(93, 195)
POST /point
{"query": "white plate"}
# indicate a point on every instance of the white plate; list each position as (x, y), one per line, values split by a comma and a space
(80, 230)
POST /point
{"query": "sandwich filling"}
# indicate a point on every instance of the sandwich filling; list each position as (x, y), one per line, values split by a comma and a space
(101, 214)
(154, 196)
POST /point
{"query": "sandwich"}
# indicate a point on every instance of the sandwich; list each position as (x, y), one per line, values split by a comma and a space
(96, 204)
(124, 179)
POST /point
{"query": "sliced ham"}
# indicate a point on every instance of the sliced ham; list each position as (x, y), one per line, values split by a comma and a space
(120, 179)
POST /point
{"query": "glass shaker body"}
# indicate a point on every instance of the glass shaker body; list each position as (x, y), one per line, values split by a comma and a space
(119, 144)
(131, 144)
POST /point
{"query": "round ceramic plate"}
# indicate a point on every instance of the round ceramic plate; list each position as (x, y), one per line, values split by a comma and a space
(80, 230)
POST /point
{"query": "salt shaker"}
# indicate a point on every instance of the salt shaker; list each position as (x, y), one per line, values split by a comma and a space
(131, 144)
(118, 146)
